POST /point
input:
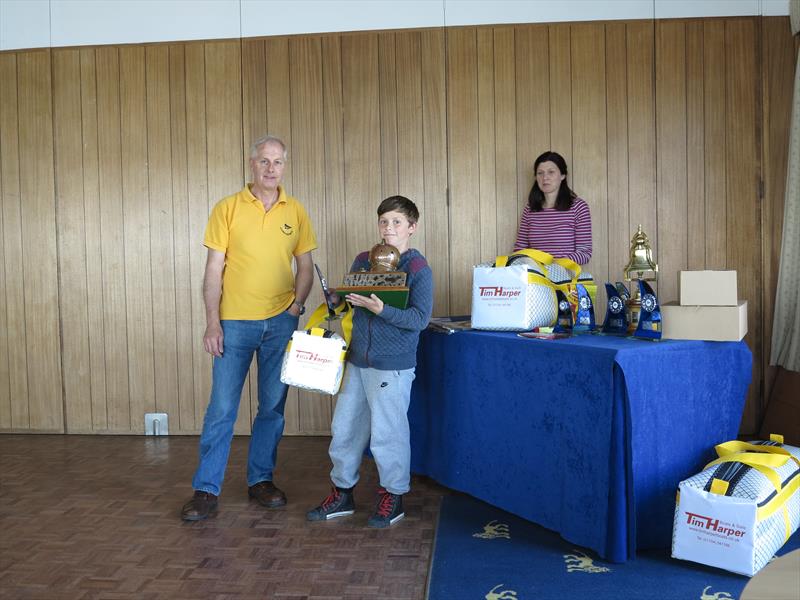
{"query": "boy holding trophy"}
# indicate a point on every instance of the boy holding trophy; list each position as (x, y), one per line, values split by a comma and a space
(372, 405)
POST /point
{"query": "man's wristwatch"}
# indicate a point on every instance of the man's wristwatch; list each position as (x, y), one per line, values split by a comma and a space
(301, 306)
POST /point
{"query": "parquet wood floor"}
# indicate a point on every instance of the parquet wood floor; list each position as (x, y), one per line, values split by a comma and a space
(97, 518)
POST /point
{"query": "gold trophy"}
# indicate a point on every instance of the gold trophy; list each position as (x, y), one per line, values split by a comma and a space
(640, 267)
(382, 279)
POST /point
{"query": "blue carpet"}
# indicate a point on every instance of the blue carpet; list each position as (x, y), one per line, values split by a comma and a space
(519, 560)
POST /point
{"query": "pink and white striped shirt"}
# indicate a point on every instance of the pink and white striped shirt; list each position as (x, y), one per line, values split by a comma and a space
(562, 233)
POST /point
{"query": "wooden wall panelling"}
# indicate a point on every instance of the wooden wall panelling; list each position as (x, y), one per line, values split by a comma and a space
(72, 259)
(137, 225)
(505, 143)
(314, 410)
(619, 174)
(93, 240)
(463, 165)
(333, 258)
(715, 112)
(162, 132)
(590, 158)
(641, 135)
(560, 80)
(185, 244)
(362, 143)
(670, 242)
(279, 118)
(485, 151)
(410, 167)
(5, 395)
(254, 97)
(434, 139)
(387, 90)
(224, 147)
(200, 203)
(532, 57)
(111, 228)
(13, 361)
(17, 359)
(162, 223)
(695, 148)
(39, 251)
(743, 171)
(777, 66)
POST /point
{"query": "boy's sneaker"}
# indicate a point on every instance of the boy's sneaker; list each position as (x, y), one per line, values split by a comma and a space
(388, 510)
(337, 504)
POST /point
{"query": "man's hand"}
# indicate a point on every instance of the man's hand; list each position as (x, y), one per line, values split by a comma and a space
(293, 310)
(372, 304)
(212, 339)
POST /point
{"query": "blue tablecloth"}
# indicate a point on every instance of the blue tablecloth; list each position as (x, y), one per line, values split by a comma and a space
(588, 436)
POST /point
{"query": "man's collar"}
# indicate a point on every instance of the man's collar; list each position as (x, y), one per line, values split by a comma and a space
(281, 194)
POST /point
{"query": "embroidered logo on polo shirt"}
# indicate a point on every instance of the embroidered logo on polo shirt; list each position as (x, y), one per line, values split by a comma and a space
(287, 229)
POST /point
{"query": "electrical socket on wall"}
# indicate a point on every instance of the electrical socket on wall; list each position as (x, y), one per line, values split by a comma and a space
(156, 424)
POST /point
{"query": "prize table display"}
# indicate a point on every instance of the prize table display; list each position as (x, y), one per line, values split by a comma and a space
(588, 436)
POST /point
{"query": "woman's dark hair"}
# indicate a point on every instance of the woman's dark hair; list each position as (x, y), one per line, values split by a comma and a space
(565, 195)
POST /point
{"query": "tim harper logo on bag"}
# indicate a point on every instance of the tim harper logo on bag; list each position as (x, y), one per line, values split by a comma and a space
(495, 291)
(312, 357)
(695, 520)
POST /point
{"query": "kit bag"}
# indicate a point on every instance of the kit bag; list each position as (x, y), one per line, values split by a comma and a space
(315, 357)
(513, 293)
(566, 274)
(741, 508)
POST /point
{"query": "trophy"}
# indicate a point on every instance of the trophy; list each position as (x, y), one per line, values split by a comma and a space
(382, 279)
(584, 311)
(616, 321)
(564, 319)
(640, 268)
(649, 326)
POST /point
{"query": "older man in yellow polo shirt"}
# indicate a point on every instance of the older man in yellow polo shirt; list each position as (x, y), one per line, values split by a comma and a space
(253, 303)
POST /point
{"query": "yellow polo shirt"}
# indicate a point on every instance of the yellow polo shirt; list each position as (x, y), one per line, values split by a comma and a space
(258, 280)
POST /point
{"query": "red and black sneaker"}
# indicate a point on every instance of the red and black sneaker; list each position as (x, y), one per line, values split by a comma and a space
(337, 504)
(388, 510)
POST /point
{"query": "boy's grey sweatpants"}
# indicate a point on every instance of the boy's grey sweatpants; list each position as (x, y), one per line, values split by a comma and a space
(372, 408)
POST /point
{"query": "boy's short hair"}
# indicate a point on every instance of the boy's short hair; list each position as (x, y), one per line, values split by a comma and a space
(402, 205)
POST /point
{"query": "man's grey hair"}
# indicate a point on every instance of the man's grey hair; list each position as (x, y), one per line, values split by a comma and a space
(268, 139)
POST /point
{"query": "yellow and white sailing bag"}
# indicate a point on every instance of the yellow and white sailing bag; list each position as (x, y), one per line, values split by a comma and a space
(514, 293)
(566, 274)
(741, 508)
(315, 358)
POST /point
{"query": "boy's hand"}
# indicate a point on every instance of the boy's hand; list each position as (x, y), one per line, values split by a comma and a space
(372, 304)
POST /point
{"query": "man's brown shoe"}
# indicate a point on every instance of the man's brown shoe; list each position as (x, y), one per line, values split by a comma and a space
(201, 506)
(267, 494)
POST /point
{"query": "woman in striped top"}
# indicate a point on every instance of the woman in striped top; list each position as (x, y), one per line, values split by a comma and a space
(555, 220)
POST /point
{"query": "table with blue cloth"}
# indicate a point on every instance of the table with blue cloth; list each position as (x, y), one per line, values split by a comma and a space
(588, 436)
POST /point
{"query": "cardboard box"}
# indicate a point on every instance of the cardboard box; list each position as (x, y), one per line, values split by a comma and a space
(714, 323)
(708, 288)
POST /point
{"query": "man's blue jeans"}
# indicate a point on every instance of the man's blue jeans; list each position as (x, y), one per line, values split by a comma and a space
(266, 338)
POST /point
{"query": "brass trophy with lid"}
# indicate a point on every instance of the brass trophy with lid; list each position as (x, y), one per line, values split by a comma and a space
(640, 267)
(382, 279)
